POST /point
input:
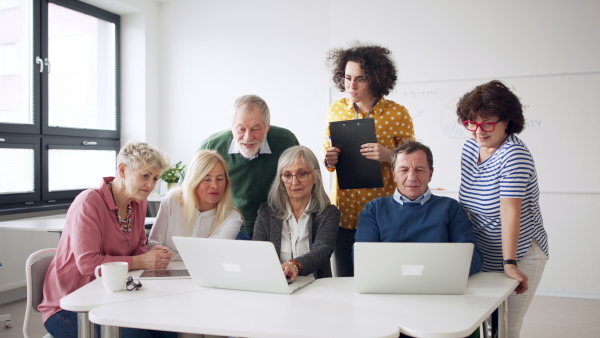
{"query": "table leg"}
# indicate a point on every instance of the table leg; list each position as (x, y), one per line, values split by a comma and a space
(85, 328)
(110, 331)
(485, 329)
(502, 319)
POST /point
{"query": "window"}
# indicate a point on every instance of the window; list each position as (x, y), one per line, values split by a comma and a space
(59, 103)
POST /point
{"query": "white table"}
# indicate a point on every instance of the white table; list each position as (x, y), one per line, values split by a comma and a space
(309, 312)
(35, 224)
(330, 305)
(435, 316)
(93, 294)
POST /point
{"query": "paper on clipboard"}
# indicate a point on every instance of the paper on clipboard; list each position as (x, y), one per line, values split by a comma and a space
(354, 171)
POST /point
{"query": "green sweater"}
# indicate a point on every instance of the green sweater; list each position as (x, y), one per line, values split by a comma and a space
(251, 180)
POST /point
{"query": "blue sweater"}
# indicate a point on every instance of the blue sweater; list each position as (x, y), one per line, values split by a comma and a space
(440, 219)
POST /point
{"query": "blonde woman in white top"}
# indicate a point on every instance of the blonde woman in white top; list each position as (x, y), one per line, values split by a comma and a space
(201, 207)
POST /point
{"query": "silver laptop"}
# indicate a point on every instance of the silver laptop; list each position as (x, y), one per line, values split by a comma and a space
(236, 265)
(406, 268)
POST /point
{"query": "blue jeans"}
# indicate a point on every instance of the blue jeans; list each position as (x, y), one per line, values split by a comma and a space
(244, 236)
(63, 324)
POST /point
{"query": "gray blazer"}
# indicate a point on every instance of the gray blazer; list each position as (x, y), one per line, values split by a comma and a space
(321, 236)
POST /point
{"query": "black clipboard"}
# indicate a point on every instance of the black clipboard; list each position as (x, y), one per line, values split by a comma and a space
(354, 171)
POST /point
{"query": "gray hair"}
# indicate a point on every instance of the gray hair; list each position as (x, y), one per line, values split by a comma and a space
(253, 102)
(278, 198)
(139, 154)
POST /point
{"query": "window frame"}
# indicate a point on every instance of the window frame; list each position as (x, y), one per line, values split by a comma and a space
(40, 133)
(101, 14)
(68, 143)
(21, 142)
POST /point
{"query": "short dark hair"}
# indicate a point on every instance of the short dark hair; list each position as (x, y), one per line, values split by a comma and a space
(375, 62)
(409, 147)
(492, 99)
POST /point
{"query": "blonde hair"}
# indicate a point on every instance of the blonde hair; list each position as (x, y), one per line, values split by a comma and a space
(136, 155)
(139, 154)
(202, 163)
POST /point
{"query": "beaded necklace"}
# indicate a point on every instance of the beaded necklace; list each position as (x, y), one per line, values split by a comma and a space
(126, 223)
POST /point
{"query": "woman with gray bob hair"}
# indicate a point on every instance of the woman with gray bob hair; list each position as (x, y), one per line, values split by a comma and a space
(298, 217)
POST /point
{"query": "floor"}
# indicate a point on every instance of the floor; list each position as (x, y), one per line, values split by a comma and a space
(548, 317)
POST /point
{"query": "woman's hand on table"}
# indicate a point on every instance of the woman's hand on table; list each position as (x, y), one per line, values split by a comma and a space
(513, 272)
(158, 257)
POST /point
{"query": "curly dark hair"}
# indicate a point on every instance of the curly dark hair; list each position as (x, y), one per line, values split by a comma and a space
(492, 99)
(375, 62)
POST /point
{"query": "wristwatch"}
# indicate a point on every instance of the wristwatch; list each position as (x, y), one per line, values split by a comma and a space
(510, 261)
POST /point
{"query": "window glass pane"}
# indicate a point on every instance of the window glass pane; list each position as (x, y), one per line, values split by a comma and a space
(82, 73)
(16, 66)
(16, 169)
(79, 169)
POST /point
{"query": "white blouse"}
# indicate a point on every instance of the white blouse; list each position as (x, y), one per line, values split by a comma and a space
(294, 236)
(169, 222)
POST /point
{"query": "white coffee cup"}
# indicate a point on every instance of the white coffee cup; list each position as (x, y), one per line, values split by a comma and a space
(114, 275)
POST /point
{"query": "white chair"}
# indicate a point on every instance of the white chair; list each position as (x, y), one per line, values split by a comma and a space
(6, 319)
(35, 272)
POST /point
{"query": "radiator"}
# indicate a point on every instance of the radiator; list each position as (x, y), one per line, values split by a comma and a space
(15, 248)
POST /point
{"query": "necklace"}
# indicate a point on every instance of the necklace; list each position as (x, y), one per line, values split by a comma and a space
(126, 223)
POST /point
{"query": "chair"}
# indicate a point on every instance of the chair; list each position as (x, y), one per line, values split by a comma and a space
(35, 272)
(5, 318)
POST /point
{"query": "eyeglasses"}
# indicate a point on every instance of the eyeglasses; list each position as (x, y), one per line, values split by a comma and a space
(301, 176)
(485, 126)
(132, 284)
(360, 81)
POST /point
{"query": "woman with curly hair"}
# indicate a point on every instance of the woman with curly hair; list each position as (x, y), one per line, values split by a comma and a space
(499, 190)
(367, 73)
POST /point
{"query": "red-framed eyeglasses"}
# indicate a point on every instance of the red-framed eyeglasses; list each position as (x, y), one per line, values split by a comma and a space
(485, 126)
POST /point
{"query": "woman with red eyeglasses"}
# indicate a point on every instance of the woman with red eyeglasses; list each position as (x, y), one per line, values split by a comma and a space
(499, 190)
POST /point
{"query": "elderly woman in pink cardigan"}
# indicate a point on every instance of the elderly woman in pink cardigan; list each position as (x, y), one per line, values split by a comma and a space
(105, 224)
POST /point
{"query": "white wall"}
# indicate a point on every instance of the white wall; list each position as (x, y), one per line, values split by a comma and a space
(209, 52)
(216, 51)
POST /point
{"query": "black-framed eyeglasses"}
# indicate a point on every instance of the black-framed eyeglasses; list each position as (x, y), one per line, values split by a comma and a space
(485, 126)
(132, 284)
(360, 81)
(301, 176)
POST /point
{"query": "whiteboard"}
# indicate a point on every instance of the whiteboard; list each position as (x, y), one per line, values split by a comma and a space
(562, 128)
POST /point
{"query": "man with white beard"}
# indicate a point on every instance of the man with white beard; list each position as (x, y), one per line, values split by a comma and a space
(251, 149)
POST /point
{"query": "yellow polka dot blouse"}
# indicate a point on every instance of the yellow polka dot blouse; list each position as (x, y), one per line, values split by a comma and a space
(393, 125)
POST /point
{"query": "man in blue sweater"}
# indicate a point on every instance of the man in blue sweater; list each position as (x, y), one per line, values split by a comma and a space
(413, 214)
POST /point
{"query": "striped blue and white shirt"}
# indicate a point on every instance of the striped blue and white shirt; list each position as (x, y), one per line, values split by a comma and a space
(508, 173)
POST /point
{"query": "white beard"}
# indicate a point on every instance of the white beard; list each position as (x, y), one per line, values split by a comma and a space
(249, 153)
